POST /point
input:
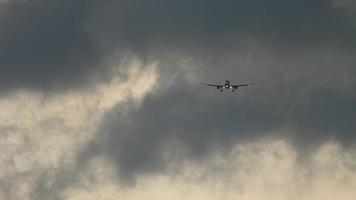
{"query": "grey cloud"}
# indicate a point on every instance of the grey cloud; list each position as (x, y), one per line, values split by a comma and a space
(144, 25)
(289, 49)
(325, 115)
(44, 44)
(59, 44)
(50, 184)
(134, 141)
(294, 97)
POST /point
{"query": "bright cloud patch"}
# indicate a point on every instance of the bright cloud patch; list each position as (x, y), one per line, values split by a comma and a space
(41, 134)
(260, 170)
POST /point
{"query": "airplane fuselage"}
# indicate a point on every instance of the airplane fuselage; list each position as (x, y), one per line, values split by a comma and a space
(227, 84)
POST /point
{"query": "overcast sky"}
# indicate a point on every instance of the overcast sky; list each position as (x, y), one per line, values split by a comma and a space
(102, 99)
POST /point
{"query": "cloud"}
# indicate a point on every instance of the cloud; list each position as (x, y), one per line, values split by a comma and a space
(74, 100)
(45, 45)
(63, 44)
(260, 170)
(41, 135)
(200, 22)
(306, 100)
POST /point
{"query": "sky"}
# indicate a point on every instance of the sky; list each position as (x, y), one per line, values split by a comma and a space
(102, 99)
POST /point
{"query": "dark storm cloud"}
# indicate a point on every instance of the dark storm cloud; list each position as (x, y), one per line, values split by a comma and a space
(298, 53)
(134, 138)
(325, 115)
(45, 44)
(288, 48)
(144, 25)
(60, 43)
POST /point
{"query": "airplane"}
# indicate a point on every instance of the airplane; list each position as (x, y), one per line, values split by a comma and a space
(227, 85)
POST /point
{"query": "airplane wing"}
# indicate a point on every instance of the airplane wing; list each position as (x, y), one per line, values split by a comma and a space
(240, 85)
(213, 85)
